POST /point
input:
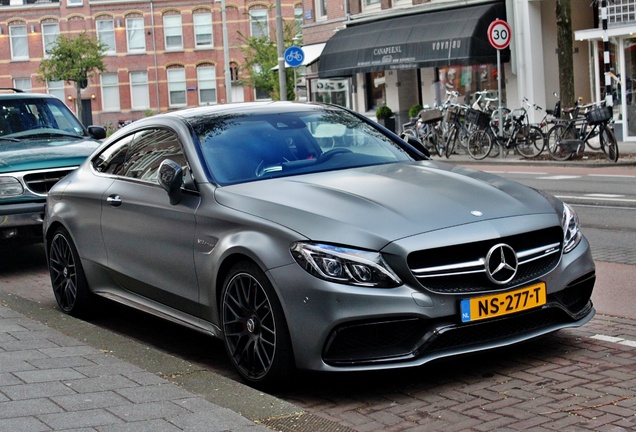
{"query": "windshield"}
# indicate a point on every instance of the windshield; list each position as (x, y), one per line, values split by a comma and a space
(242, 148)
(29, 116)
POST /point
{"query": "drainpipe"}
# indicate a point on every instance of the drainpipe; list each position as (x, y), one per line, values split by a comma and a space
(154, 54)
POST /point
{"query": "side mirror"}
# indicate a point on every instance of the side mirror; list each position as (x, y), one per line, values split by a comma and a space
(97, 132)
(414, 142)
(171, 179)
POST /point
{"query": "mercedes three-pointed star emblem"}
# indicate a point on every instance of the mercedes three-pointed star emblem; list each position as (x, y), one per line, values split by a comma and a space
(501, 264)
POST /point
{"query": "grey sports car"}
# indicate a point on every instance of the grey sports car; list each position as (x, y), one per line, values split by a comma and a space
(306, 236)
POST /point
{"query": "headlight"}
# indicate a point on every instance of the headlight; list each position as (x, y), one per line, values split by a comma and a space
(10, 187)
(344, 265)
(571, 229)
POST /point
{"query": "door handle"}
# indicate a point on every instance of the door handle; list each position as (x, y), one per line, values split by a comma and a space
(114, 200)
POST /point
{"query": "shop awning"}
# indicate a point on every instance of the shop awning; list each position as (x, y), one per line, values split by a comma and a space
(439, 38)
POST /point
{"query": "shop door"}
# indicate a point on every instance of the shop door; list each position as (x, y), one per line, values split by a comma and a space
(629, 47)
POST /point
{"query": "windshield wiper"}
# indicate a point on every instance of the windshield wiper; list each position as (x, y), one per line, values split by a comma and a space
(9, 139)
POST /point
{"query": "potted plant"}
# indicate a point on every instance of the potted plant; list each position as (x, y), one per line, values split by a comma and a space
(415, 110)
(384, 114)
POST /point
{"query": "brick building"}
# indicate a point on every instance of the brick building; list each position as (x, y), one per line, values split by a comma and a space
(161, 55)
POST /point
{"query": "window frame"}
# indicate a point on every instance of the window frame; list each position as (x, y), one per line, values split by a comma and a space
(13, 38)
(49, 38)
(135, 88)
(209, 80)
(113, 88)
(177, 86)
(102, 33)
(130, 30)
(258, 25)
(173, 27)
(198, 26)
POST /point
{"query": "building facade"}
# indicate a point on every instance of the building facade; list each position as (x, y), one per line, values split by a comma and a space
(406, 52)
(161, 54)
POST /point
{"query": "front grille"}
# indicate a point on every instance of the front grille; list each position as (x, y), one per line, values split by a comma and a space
(42, 182)
(461, 269)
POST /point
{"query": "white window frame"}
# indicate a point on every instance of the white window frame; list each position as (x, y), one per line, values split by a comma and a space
(173, 28)
(139, 94)
(135, 31)
(55, 88)
(104, 33)
(50, 33)
(259, 23)
(74, 3)
(110, 92)
(22, 84)
(371, 5)
(206, 81)
(177, 86)
(320, 6)
(202, 22)
(16, 38)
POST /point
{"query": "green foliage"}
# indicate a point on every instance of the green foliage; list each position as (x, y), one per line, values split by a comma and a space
(74, 59)
(414, 110)
(261, 55)
(383, 112)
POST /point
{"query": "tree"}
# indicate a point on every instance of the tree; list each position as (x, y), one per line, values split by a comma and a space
(564, 48)
(261, 55)
(74, 59)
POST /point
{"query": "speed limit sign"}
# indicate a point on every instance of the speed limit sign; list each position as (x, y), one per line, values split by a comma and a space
(499, 34)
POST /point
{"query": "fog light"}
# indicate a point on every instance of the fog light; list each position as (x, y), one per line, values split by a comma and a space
(9, 233)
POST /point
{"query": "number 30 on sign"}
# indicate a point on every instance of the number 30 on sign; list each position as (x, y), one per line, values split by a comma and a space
(499, 34)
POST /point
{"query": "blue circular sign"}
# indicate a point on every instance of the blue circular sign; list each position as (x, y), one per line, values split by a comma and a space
(294, 56)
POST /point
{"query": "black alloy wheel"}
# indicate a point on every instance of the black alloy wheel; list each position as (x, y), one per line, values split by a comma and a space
(254, 330)
(67, 275)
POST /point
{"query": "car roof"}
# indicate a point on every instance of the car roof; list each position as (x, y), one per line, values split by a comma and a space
(22, 95)
(249, 108)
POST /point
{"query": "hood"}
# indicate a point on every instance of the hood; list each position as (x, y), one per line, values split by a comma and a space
(372, 206)
(33, 154)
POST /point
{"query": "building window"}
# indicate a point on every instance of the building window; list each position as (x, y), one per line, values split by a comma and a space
(19, 42)
(206, 81)
(234, 71)
(139, 96)
(259, 26)
(298, 20)
(74, 2)
(50, 32)
(135, 35)
(55, 88)
(173, 32)
(177, 87)
(22, 84)
(110, 92)
(203, 30)
(321, 9)
(106, 34)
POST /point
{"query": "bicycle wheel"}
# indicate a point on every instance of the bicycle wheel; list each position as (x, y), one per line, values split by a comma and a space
(556, 136)
(530, 143)
(440, 146)
(608, 143)
(451, 140)
(479, 144)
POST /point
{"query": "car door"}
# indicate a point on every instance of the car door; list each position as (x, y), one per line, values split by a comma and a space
(149, 242)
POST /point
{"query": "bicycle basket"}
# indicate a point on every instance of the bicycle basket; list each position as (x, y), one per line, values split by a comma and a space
(598, 115)
(452, 114)
(479, 118)
(431, 116)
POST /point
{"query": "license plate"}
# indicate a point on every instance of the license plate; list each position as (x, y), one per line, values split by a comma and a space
(479, 308)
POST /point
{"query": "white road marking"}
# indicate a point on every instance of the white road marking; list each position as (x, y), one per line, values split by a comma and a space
(560, 177)
(600, 195)
(614, 339)
(569, 197)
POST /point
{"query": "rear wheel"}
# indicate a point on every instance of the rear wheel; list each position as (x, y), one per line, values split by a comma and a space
(451, 140)
(67, 276)
(556, 138)
(531, 142)
(479, 144)
(255, 333)
(609, 144)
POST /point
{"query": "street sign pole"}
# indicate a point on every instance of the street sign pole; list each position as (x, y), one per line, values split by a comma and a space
(499, 37)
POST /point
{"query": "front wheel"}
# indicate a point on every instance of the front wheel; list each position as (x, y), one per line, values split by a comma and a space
(67, 276)
(531, 142)
(609, 144)
(557, 147)
(255, 333)
(451, 140)
(479, 144)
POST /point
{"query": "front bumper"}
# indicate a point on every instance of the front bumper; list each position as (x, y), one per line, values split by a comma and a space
(22, 220)
(342, 328)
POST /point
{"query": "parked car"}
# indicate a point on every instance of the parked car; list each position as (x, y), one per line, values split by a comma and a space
(41, 141)
(304, 236)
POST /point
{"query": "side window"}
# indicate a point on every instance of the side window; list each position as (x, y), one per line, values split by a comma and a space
(112, 159)
(150, 148)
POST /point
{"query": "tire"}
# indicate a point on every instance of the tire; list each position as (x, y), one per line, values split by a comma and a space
(531, 144)
(67, 276)
(453, 133)
(557, 134)
(479, 144)
(255, 333)
(609, 144)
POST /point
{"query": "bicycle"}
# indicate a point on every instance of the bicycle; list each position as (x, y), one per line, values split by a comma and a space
(516, 133)
(459, 129)
(569, 137)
